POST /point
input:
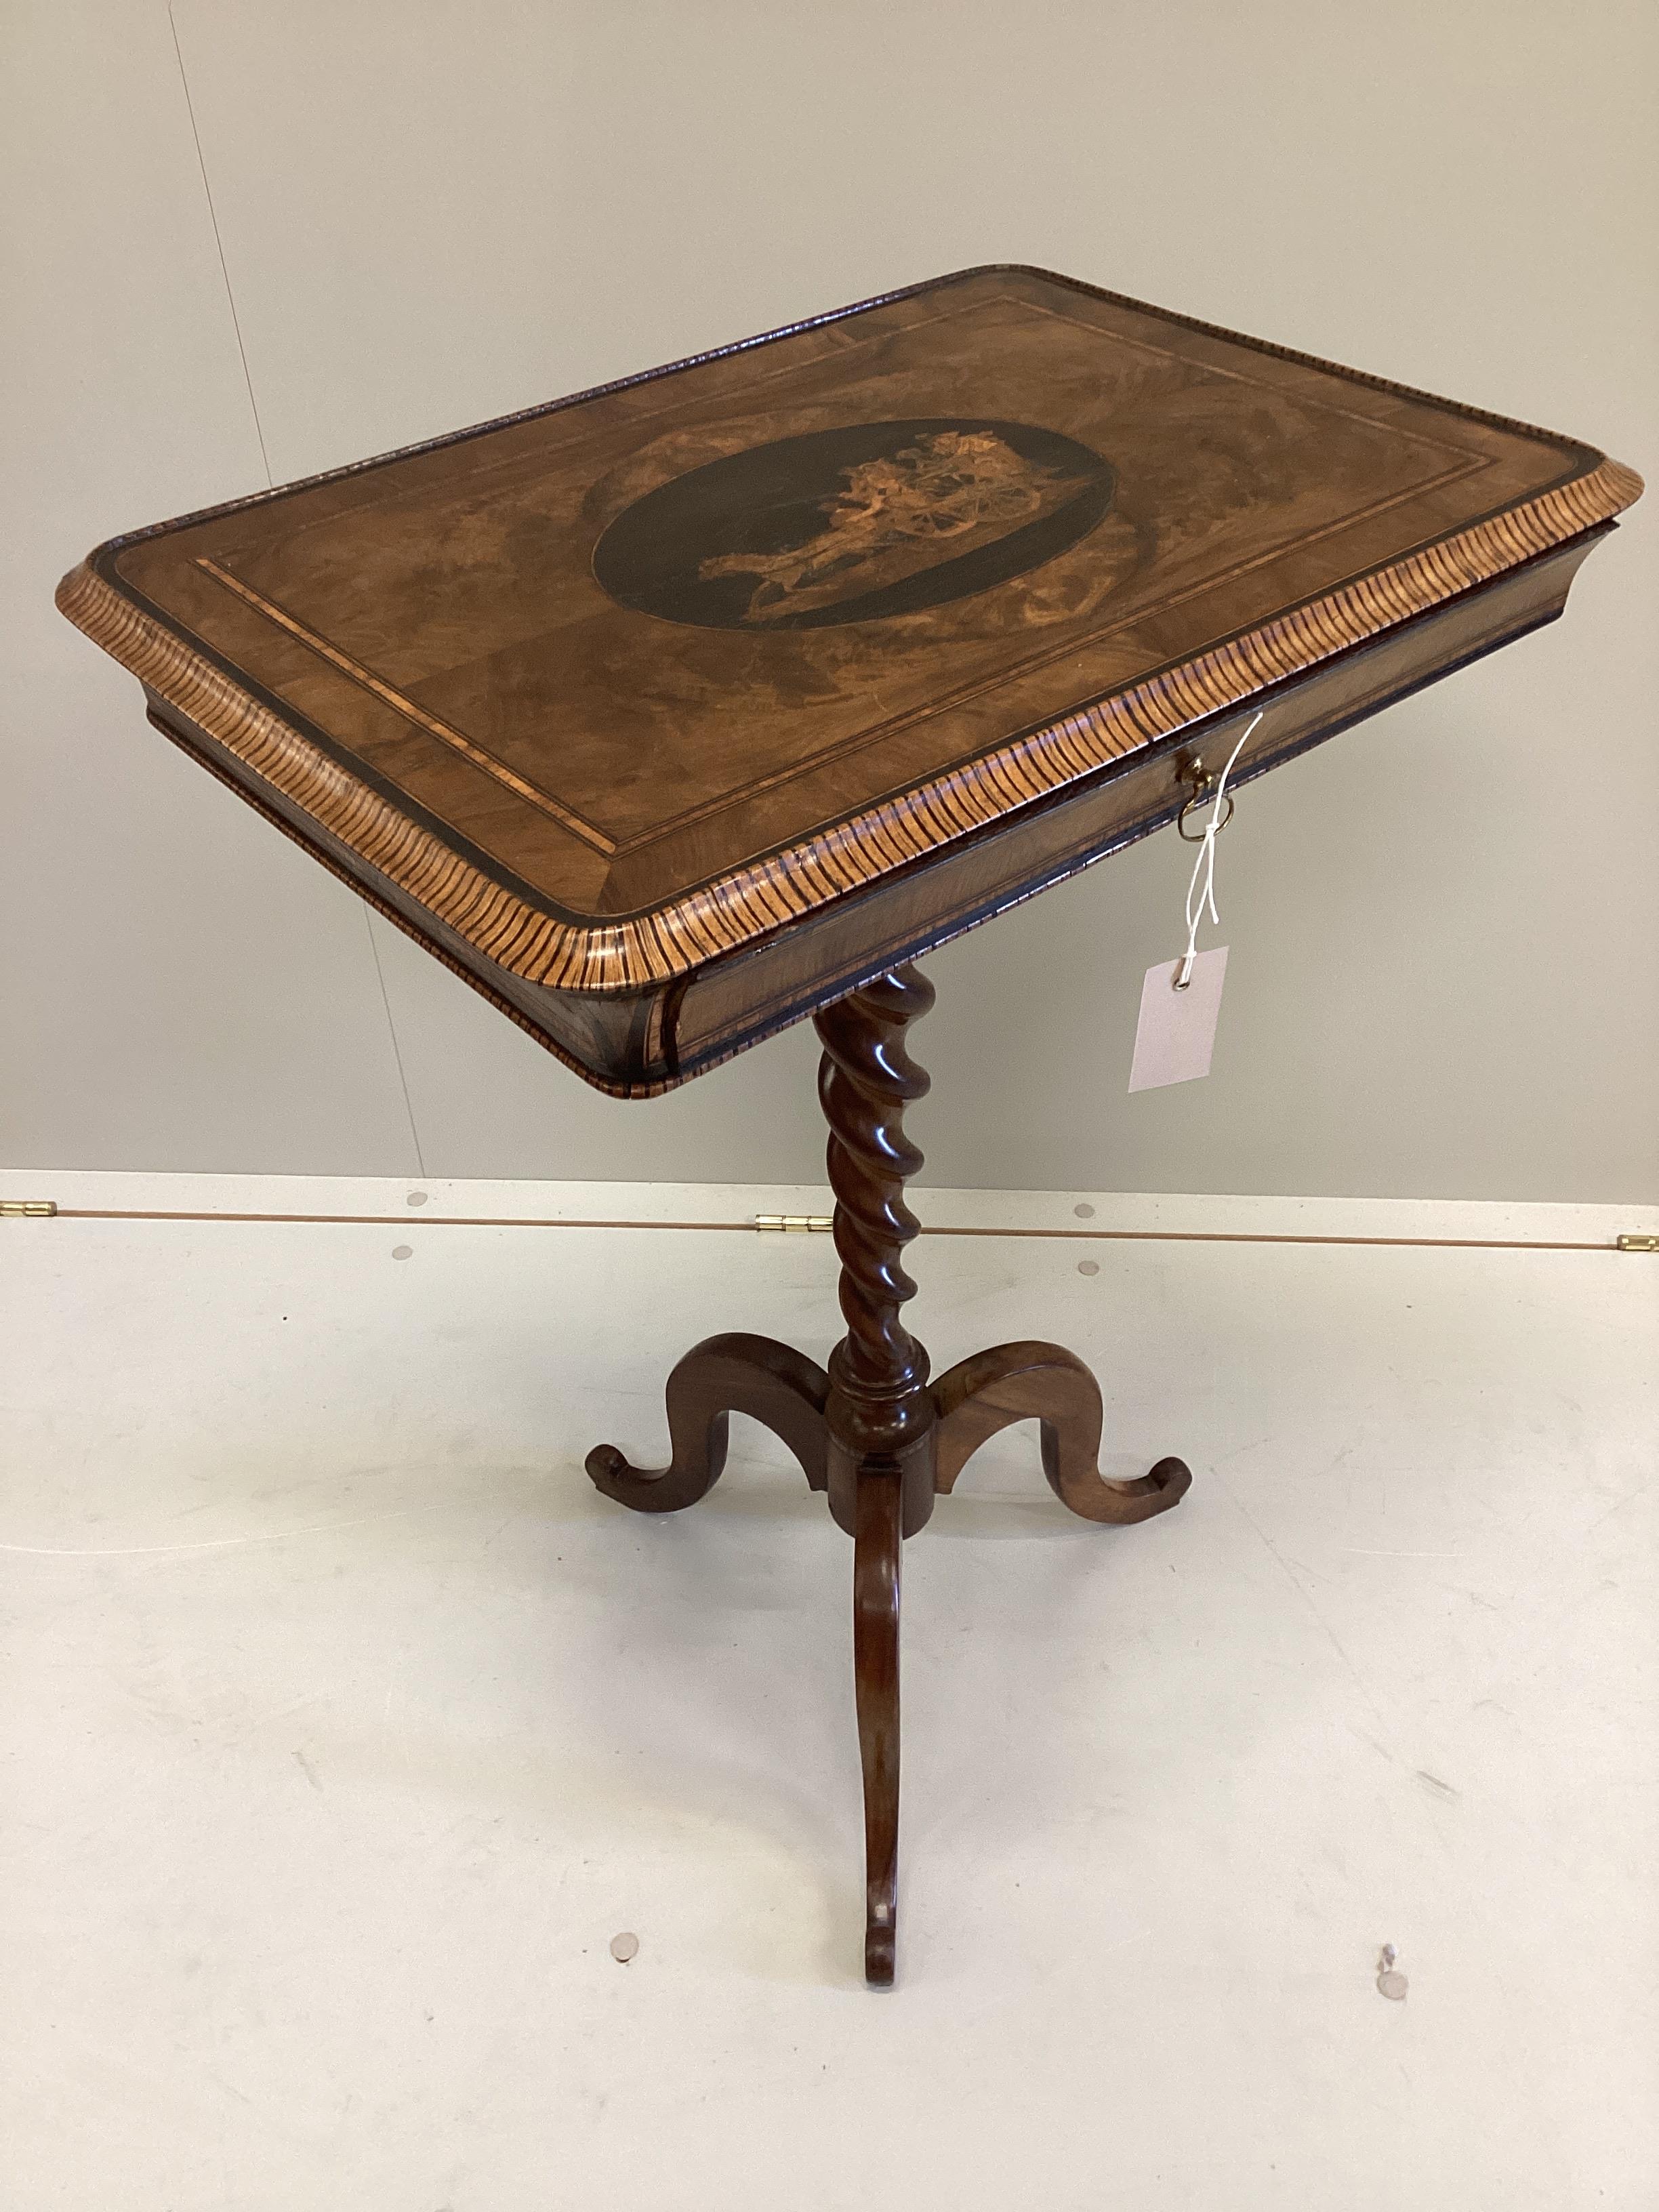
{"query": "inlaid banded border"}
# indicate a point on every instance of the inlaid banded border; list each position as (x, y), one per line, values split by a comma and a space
(434, 725)
(565, 952)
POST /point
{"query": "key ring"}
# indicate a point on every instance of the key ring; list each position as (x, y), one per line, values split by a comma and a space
(1200, 892)
(1201, 798)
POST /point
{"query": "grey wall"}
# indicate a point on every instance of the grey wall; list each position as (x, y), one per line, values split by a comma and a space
(1442, 980)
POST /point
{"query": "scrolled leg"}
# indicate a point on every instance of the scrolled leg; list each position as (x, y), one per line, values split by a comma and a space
(724, 1375)
(1043, 1381)
(876, 1546)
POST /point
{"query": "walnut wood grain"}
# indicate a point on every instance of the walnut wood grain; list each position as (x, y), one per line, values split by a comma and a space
(1032, 1381)
(878, 1401)
(879, 1412)
(636, 1044)
(733, 1373)
(592, 807)
(877, 1542)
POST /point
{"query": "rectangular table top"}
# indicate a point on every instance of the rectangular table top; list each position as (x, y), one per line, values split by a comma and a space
(624, 685)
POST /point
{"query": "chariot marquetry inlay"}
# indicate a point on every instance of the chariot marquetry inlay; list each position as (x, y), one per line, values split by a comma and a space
(855, 524)
(605, 700)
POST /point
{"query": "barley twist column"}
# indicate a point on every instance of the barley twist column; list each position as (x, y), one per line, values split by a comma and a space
(880, 1416)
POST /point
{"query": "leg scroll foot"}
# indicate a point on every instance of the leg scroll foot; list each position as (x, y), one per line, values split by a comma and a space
(724, 1375)
(1042, 1382)
(876, 1676)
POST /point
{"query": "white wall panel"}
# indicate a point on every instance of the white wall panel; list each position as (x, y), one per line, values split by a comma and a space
(1444, 951)
(178, 986)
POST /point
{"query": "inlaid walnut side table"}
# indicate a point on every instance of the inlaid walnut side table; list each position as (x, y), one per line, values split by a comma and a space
(675, 711)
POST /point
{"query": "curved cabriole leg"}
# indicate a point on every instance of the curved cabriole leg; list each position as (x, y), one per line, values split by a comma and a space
(876, 1546)
(1021, 1381)
(731, 1374)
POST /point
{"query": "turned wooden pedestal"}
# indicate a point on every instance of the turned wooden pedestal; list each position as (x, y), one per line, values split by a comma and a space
(871, 1431)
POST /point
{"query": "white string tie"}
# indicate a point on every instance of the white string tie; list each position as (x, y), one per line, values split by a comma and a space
(1200, 892)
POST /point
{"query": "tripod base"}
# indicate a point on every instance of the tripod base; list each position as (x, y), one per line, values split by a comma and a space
(879, 1498)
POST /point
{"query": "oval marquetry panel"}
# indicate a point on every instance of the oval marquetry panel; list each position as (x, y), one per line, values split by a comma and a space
(778, 574)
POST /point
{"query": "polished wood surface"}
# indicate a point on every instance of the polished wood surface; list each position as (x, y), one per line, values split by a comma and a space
(877, 1536)
(732, 1373)
(873, 1431)
(880, 1414)
(609, 700)
(1046, 1383)
(878, 1401)
(637, 1043)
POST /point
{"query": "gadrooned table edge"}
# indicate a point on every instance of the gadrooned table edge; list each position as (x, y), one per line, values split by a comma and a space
(564, 952)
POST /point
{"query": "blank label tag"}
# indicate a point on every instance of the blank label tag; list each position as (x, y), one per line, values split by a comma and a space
(1175, 1034)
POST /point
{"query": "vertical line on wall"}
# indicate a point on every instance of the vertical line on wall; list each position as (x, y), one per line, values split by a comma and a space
(259, 433)
(397, 1051)
(224, 270)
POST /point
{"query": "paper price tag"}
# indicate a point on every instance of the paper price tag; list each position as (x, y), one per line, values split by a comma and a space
(1174, 1036)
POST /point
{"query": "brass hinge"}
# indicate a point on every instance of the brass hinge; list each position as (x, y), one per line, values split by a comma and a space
(1643, 1244)
(799, 1221)
(12, 1209)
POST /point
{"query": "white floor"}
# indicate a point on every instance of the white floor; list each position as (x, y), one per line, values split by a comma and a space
(346, 1725)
